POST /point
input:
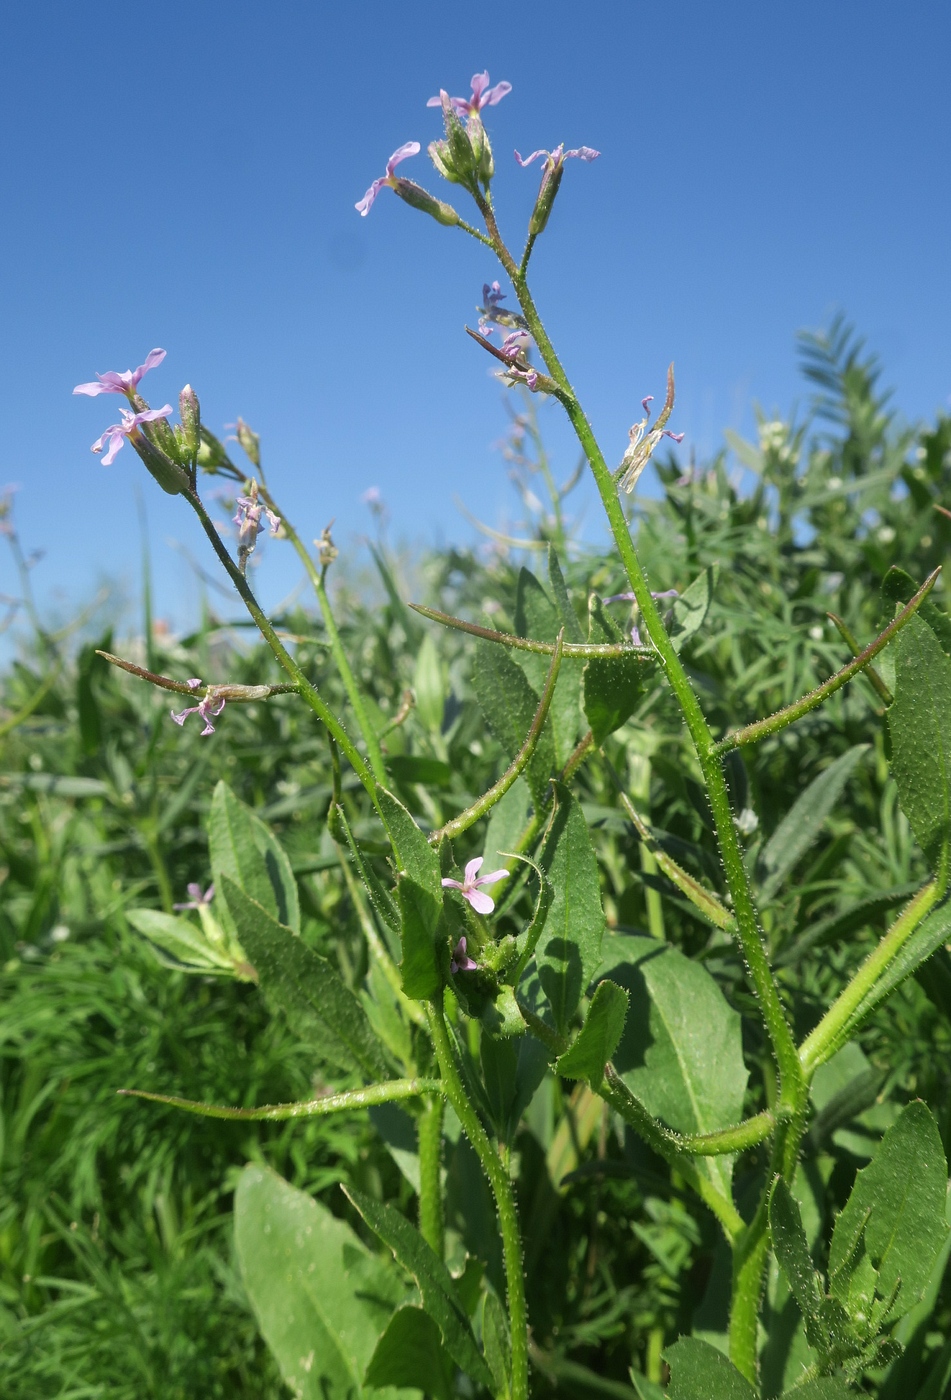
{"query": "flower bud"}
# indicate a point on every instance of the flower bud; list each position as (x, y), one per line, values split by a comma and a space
(552, 172)
(249, 440)
(455, 158)
(211, 453)
(167, 473)
(421, 199)
(190, 412)
(481, 147)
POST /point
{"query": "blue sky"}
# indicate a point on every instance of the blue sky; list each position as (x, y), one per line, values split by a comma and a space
(184, 175)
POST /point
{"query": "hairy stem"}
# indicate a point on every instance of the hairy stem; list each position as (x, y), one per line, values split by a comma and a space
(501, 1189)
(431, 1224)
(312, 1108)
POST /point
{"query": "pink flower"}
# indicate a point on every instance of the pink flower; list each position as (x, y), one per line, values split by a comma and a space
(112, 382)
(248, 518)
(209, 709)
(411, 148)
(555, 159)
(470, 886)
(461, 962)
(482, 96)
(129, 426)
(197, 898)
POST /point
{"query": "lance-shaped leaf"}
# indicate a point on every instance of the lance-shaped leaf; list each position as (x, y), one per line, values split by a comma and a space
(559, 593)
(699, 1372)
(569, 950)
(509, 704)
(498, 1345)
(243, 848)
(599, 1036)
(537, 616)
(310, 992)
(899, 587)
(189, 950)
(410, 1354)
(436, 1285)
(919, 723)
(792, 1254)
(691, 607)
(898, 1205)
(804, 821)
(419, 898)
(320, 1298)
(681, 1052)
(613, 685)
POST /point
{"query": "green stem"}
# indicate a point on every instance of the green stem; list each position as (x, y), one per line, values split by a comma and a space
(431, 1225)
(747, 929)
(501, 1189)
(507, 639)
(354, 695)
(305, 687)
(764, 727)
(313, 1108)
(521, 760)
(822, 1042)
(746, 1134)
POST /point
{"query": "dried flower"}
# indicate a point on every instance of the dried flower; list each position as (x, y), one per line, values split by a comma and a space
(482, 96)
(209, 708)
(461, 962)
(248, 518)
(129, 427)
(410, 148)
(643, 443)
(126, 383)
(470, 887)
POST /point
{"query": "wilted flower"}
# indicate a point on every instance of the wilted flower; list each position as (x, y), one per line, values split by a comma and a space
(197, 898)
(209, 708)
(248, 518)
(482, 96)
(555, 159)
(552, 171)
(112, 382)
(461, 962)
(470, 887)
(642, 446)
(129, 427)
(410, 148)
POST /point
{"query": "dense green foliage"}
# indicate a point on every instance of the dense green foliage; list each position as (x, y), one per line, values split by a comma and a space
(118, 1275)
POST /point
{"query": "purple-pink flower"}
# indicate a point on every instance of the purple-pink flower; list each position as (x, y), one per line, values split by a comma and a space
(556, 158)
(470, 887)
(461, 962)
(482, 96)
(209, 708)
(248, 519)
(118, 432)
(197, 898)
(410, 148)
(112, 382)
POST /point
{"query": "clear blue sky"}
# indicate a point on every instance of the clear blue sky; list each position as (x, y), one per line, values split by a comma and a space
(184, 175)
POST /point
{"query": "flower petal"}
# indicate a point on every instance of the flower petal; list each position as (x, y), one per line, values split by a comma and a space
(528, 159)
(452, 885)
(481, 903)
(492, 879)
(494, 95)
(408, 148)
(473, 867)
(153, 358)
(364, 205)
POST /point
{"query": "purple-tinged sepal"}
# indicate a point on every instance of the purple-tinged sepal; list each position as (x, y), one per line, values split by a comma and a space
(421, 199)
(190, 431)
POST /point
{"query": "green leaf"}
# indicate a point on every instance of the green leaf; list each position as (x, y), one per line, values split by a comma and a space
(559, 591)
(512, 1069)
(822, 1388)
(411, 1354)
(302, 984)
(509, 704)
(804, 821)
(320, 1298)
(792, 1254)
(537, 616)
(436, 1285)
(899, 587)
(419, 768)
(613, 688)
(181, 939)
(498, 1345)
(681, 1052)
(919, 723)
(506, 824)
(898, 1201)
(699, 1372)
(418, 895)
(242, 847)
(569, 949)
(429, 685)
(599, 1036)
(691, 608)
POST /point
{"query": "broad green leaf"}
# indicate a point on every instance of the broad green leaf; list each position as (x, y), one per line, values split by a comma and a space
(320, 1298)
(681, 1052)
(512, 1069)
(537, 616)
(410, 1354)
(419, 768)
(613, 688)
(599, 1036)
(180, 938)
(509, 704)
(822, 1388)
(436, 1285)
(506, 824)
(691, 608)
(429, 686)
(498, 1345)
(242, 847)
(699, 1372)
(418, 896)
(559, 592)
(804, 821)
(569, 949)
(302, 984)
(646, 1390)
(792, 1253)
(898, 1201)
(919, 723)
(899, 587)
